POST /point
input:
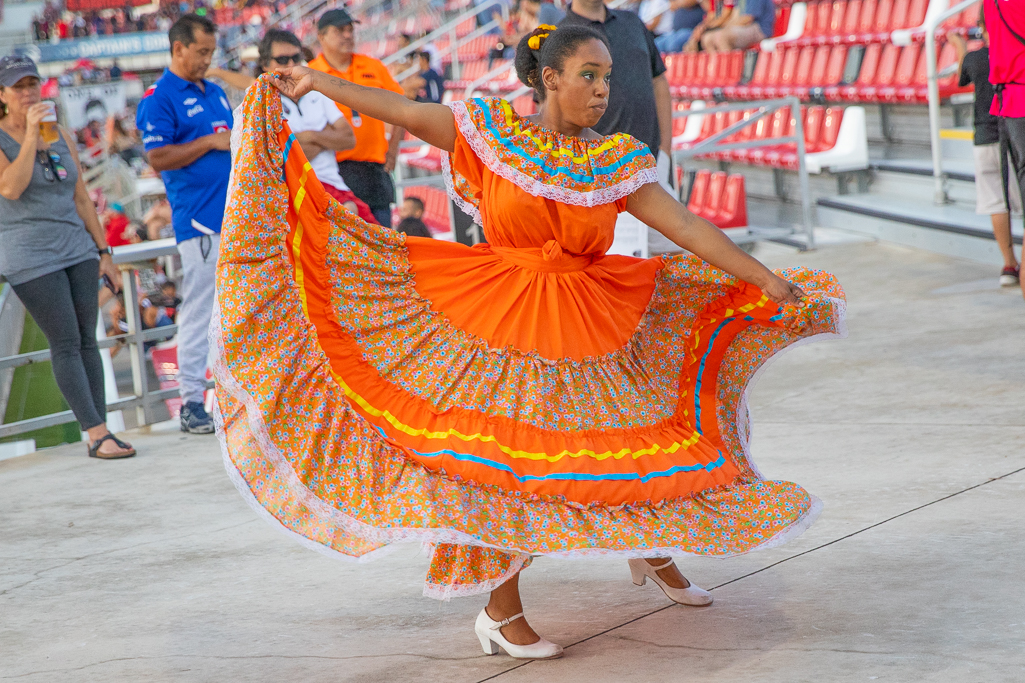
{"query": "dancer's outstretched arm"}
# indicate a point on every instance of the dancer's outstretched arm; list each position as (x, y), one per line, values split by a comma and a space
(654, 206)
(432, 123)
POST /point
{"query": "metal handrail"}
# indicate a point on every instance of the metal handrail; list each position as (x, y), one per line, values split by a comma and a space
(903, 36)
(764, 109)
(136, 337)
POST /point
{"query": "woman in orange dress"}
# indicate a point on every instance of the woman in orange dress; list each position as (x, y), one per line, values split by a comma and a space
(529, 396)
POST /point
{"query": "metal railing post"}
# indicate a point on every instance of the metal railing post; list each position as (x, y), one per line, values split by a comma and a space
(453, 42)
(904, 37)
(939, 180)
(802, 172)
(136, 348)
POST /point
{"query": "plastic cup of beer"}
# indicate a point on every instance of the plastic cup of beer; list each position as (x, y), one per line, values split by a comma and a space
(48, 126)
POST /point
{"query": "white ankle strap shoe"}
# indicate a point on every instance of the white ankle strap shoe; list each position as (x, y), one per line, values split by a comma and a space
(640, 570)
(490, 634)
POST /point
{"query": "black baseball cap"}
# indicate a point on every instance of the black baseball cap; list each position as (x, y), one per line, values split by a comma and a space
(335, 17)
(13, 68)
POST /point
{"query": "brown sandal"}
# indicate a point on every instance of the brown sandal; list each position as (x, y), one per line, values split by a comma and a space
(94, 450)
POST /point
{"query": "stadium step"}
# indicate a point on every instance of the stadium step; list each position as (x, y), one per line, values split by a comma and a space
(914, 221)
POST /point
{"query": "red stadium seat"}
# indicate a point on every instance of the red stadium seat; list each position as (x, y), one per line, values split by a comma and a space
(779, 126)
(680, 122)
(690, 67)
(867, 19)
(785, 77)
(733, 210)
(851, 18)
(743, 92)
(866, 77)
(466, 27)
(805, 61)
(884, 17)
(713, 196)
(782, 20)
(524, 105)
(910, 57)
(700, 69)
(759, 130)
(885, 74)
(835, 66)
(813, 128)
(698, 190)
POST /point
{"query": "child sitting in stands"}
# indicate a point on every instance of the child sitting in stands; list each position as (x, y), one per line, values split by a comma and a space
(411, 218)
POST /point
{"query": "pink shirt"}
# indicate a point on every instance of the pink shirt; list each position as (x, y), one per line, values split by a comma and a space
(1006, 56)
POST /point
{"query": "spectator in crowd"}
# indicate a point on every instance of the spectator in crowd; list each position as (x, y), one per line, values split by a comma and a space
(434, 84)
(319, 127)
(366, 168)
(639, 100)
(186, 123)
(151, 315)
(411, 214)
(414, 227)
(115, 71)
(123, 142)
(687, 15)
(492, 13)
(1005, 22)
(116, 226)
(656, 16)
(736, 25)
(54, 248)
(157, 221)
(989, 185)
(550, 13)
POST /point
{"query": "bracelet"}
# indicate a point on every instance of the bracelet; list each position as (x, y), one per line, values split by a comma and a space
(105, 250)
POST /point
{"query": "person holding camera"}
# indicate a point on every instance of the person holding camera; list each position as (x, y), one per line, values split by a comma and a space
(54, 248)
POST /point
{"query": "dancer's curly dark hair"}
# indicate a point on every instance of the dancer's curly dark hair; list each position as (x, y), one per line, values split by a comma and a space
(546, 46)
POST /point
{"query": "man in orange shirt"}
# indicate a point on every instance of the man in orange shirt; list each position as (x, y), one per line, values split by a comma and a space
(366, 168)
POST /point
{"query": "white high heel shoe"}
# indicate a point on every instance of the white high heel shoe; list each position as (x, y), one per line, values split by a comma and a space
(640, 570)
(490, 634)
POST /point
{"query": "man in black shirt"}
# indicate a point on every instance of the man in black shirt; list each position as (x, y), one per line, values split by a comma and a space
(639, 100)
(990, 187)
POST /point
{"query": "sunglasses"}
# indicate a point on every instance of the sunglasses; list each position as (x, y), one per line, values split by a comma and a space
(285, 60)
(52, 167)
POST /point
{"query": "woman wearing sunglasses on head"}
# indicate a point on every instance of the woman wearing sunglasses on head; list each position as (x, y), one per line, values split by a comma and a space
(54, 248)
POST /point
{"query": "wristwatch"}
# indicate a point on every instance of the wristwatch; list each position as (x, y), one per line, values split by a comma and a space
(105, 250)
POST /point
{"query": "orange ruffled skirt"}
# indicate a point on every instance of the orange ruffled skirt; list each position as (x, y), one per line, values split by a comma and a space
(354, 414)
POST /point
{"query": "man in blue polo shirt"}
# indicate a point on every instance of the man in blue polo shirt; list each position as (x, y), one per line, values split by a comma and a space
(185, 123)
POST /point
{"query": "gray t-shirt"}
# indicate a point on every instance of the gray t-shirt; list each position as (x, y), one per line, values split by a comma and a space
(41, 231)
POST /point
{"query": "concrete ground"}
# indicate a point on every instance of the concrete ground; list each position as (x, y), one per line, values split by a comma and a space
(912, 431)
